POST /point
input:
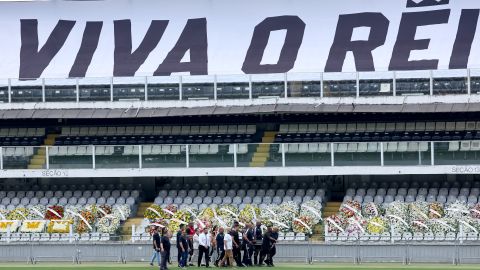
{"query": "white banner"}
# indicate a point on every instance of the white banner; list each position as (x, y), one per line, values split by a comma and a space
(60, 39)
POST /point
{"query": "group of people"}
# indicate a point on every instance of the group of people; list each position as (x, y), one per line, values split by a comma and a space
(221, 246)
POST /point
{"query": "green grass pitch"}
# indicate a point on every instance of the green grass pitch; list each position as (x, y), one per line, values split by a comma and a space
(137, 266)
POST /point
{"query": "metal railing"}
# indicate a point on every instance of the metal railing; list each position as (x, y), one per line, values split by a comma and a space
(423, 153)
(224, 87)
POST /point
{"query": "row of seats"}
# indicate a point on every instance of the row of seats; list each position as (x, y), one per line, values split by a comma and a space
(355, 147)
(69, 193)
(413, 184)
(402, 237)
(22, 132)
(245, 185)
(53, 237)
(65, 187)
(11, 204)
(379, 127)
(222, 193)
(156, 139)
(158, 130)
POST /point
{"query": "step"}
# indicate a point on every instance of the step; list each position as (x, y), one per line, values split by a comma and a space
(37, 160)
(42, 151)
(259, 159)
(257, 164)
(261, 154)
(35, 167)
(264, 148)
(270, 133)
(268, 139)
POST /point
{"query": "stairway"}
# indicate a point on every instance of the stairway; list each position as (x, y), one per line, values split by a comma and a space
(330, 208)
(126, 230)
(262, 154)
(38, 160)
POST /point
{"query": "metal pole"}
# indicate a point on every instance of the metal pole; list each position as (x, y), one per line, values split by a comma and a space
(469, 81)
(432, 153)
(321, 85)
(382, 157)
(358, 84)
(332, 158)
(285, 85)
(43, 89)
(111, 89)
(146, 88)
(250, 87)
(431, 83)
(77, 88)
(140, 164)
(215, 87)
(180, 89)
(93, 156)
(47, 158)
(283, 154)
(9, 90)
(1, 158)
(187, 155)
(394, 83)
(235, 162)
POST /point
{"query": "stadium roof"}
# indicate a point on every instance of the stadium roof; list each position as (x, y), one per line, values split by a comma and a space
(236, 110)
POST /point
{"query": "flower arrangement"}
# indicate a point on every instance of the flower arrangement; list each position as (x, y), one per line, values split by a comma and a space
(303, 224)
(85, 222)
(104, 210)
(291, 207)
(419, 226)
(33, 226)
(269, 213)
(336, 223)
(351, 208)
(442, 225)
(108, 224)
(71, 212)
(169, 211)
(312, 209)
(418, 210)
(6, 225)
(36, 212)
(376, 225)
(475, 211)
(19, 213)
(180, 217)
(54, 212)
(121, 211)
(153, 212)
(435, 210)
(356, 225)
(251, 213)
(371, 210)
(206, 214)
(59, 226)
(3, 214)
(457, 210)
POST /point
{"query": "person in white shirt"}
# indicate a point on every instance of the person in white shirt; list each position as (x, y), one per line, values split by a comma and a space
(203, 247)
(195, 245)
(228, 245)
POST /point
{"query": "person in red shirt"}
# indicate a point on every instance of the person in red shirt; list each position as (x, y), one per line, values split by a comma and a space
(190, 234)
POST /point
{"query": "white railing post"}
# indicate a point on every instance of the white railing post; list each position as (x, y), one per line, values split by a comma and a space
(431, 83)
(47, 158)
(180, 88)
(9, 90)
(394, 83)
(325, 231)
(133, 233)
(432, 153)
(93, 157)
(111, 89)
(1, 158)
(285, 85)
(358, 84)
(187, 150)
(283, 154)
(235, 161)
(77, 88)
(469, 82)
(146, 88)
(321, 85)
(140, 159)
(215, 87)
(250, 90)
(43, 89)
(70, 233)
(332, 157)
(382, 157)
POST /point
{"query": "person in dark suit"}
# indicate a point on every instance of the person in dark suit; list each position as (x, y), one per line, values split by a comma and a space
(248, 246)
(257, 241)
(165, 250)
(273, 247)
(179, 236)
